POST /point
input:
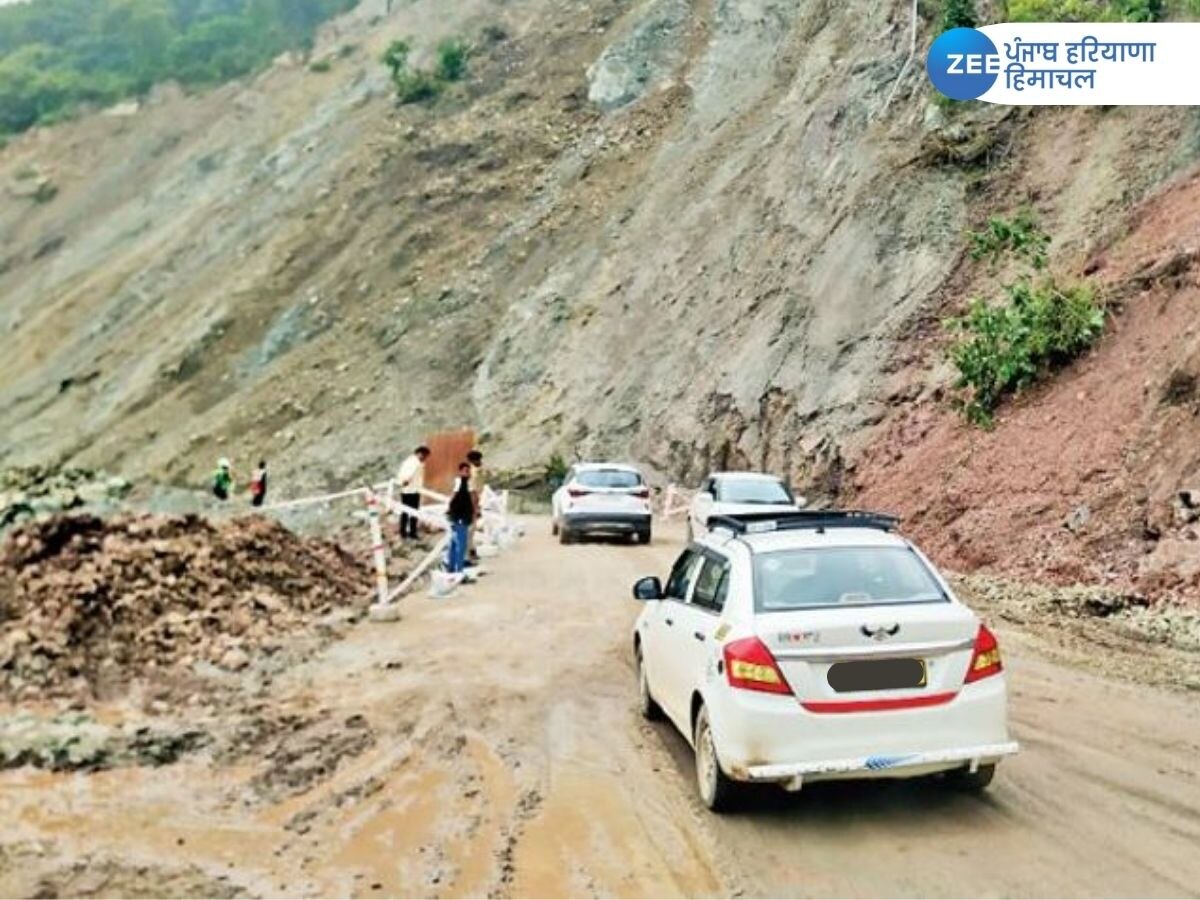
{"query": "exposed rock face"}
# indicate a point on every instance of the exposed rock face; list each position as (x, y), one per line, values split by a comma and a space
(631, 67)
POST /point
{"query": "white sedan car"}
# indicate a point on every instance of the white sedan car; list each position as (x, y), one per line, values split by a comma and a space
(602, 498)
(734, 493)
(818, 645)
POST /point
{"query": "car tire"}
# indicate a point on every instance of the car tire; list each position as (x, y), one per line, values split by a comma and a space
(554, 527)
(972, 782)
(644, 536)
(564, 535)
(647, 705)
(717, 791)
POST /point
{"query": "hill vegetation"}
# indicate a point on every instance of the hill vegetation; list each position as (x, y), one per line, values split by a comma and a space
(59, 55)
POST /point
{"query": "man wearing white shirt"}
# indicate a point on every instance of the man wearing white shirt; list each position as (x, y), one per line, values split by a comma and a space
(411, 480)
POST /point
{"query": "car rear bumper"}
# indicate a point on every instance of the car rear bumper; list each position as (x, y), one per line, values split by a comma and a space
(768, 737)
(612, 521)
(906, 765)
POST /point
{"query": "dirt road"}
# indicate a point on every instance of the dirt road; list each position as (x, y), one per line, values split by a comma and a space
(487, 745)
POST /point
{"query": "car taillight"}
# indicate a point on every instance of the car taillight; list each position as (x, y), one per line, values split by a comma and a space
(643, 493)
(578, 492)
(750, 666)
(985, 659)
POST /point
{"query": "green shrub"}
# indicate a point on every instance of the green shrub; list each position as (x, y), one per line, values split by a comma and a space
(416, 87)
(452, 59)
(45, 192)
(396, 58)
(1020, 236)
(556, 470)
(321, 65)
(958, 14)
(1085, 10)
(1007, 346)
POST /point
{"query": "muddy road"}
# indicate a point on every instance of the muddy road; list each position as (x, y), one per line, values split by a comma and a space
(488, 745)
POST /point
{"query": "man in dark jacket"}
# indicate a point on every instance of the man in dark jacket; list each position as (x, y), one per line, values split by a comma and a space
(461, 514)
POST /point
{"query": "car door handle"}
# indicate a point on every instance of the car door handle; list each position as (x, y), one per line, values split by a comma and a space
(669, 621)
(699, 635)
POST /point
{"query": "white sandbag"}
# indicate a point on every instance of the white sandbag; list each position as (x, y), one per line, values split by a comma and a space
(443, 584)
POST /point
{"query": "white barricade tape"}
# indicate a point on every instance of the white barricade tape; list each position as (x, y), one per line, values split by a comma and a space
(676, 500)
(311, 501)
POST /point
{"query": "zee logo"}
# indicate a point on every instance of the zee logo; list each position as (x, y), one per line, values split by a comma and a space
(973, 64)
(963, 63)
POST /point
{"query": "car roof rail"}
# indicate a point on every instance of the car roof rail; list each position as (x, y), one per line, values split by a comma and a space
(811, 519)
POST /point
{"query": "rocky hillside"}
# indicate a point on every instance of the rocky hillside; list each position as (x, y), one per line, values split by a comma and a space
(693, 233)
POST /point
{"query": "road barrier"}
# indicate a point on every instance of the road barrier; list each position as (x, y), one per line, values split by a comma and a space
(676, 501)
(495, 531)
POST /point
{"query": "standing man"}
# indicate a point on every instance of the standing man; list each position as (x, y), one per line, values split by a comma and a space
(475, 458)
(411, 481)
(461, 514)
(258, 484)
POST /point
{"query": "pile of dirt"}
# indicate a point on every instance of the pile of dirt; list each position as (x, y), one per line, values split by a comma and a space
(87, 604)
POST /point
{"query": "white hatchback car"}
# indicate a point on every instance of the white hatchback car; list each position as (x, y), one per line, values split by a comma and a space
(733, 493)
(602, 498)
(818, 645)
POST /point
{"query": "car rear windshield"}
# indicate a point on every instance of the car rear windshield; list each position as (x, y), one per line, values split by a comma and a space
(842, 576)
(752, 490)
(609, 478)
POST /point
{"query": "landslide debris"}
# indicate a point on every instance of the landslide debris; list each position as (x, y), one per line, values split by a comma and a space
(88, 605)
(1121, 634)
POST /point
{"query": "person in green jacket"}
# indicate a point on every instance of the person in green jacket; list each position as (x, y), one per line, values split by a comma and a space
(222, 480)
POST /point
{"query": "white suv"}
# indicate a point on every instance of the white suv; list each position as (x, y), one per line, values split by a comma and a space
(602, 498)
(733, 493)
(818, 645)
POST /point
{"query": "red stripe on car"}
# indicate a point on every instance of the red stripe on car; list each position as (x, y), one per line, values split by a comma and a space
(852, 706)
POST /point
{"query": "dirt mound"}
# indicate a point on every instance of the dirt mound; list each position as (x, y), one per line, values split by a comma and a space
(87, 603)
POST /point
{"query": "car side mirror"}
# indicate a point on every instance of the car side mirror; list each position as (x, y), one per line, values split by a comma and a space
(648, 589)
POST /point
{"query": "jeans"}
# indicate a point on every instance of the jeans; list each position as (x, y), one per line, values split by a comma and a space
(457, 557)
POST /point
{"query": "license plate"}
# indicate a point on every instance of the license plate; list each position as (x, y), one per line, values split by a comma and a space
(877, 675)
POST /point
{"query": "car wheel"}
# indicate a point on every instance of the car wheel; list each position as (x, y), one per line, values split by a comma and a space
(966, 780)
(717, 791)
(554, 526)
(647, 706)
(644, 536)
(564, 536)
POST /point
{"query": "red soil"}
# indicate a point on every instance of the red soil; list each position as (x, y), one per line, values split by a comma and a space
(1109, 443)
